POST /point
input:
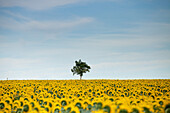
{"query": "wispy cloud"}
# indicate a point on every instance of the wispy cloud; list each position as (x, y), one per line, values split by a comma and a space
(16, 15)
(125, 40)
(44, 4)
(36, 4)
(30, 24)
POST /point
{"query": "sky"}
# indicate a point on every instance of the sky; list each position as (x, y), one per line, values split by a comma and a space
(119, 39)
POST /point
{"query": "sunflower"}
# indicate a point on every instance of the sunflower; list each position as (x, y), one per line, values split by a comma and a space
(75, 109)
(27, 108)
(3, 105)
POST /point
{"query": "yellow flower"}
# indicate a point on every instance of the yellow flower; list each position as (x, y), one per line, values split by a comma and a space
(76, 109)
(47, 95)
(3, 105)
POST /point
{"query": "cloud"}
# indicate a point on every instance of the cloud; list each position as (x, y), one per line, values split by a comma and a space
(44, 4)
(16, 15)
(158, 69)
(17, 63)
(57, 62)
(135, 65)
(124, 41)
(33, 68)
(28, 24)
(36, 4)
(150, 28)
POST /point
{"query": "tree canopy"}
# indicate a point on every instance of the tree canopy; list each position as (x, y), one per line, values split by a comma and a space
(80, 68)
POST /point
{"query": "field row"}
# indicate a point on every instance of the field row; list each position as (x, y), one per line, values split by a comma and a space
(85, 96)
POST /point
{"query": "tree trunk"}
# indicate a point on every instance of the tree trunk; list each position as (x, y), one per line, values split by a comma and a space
(81, 76)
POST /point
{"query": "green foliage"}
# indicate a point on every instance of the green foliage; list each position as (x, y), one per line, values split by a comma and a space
(2, 105)
(25, 108)
(123, 111)
(135, 110)
(106, 109)
(80, 68)
(146, 110)
(19, 110)
(167, 108)
(63, 103)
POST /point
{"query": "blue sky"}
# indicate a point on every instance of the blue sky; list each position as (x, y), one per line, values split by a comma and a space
(119, 39)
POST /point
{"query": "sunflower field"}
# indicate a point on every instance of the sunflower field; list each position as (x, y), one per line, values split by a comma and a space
(85, 96)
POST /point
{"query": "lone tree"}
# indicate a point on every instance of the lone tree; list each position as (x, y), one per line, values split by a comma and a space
(80, 68)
